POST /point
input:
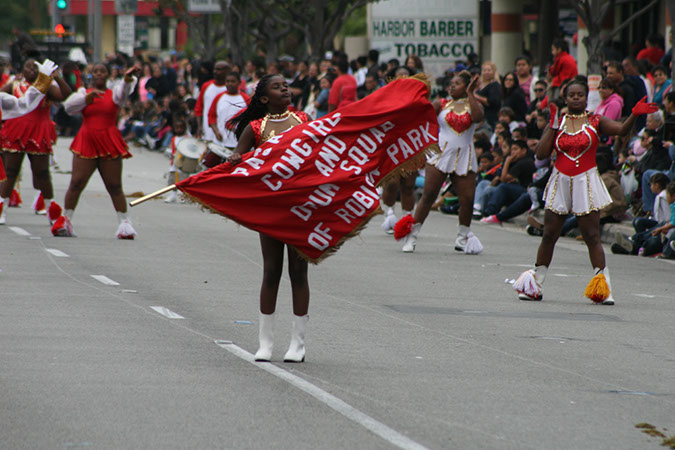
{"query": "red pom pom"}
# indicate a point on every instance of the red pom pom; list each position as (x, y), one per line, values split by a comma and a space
(63, 227)
(54, 211)
(403, 227)
(15, 199)
(39, 203)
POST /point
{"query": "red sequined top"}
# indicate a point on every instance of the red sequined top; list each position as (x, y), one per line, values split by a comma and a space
(458, 122)
(575, 153)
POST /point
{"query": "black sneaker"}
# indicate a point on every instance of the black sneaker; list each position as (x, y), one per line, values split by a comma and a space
(617, 249)
(533, 231)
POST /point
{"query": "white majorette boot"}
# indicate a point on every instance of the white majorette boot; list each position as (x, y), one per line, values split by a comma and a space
(125, 230)
(389, 219)
(411, 239)
(266, 337)
(296, 351)
(529, 284)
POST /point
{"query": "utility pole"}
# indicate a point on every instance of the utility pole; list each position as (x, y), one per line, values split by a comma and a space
(94, 25)
(670, 5)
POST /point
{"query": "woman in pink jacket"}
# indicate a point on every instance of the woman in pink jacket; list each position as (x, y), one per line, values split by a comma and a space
(612, 102)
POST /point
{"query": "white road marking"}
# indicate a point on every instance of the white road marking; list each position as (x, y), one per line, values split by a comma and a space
(105, 280)
(388, 434)
(167, 312)
(56, 252)
(20, 231)
(645, 295)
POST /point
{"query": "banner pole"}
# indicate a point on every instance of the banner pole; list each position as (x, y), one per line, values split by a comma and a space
(153, 195)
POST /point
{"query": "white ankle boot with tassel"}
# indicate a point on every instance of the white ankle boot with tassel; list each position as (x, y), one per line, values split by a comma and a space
(296, 351)
(266, 337)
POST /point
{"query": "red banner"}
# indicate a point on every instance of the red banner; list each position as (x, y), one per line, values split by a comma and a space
(314, 186)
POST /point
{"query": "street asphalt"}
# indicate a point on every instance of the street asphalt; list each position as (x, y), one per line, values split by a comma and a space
(147, 344)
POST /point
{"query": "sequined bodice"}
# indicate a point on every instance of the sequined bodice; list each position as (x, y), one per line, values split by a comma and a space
(575, 152)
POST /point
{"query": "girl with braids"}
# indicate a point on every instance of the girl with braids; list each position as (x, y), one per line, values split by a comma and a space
(32, 134)
(457, 118)
(575, 187)
(267, 115)
(99, 146)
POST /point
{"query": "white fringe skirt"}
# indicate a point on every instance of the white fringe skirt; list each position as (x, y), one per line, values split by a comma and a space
(580, 194)
(455, 160)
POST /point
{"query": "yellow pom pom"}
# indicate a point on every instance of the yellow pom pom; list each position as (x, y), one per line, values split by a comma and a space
(598, 289)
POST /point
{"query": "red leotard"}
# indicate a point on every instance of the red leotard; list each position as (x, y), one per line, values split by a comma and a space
(99, 137)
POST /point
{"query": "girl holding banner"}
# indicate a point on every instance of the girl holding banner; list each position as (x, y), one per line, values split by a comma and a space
(266, 116)
(99, 146)
(457, 119)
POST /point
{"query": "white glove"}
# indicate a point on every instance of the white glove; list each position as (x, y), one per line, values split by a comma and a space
(48, 67)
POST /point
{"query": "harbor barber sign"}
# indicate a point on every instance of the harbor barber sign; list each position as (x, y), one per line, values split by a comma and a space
(438, 31)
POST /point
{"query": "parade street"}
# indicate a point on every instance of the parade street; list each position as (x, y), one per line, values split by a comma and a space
(114, 344)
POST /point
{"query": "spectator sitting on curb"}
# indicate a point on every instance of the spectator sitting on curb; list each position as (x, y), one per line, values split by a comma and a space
(516, 176)
(644, 226)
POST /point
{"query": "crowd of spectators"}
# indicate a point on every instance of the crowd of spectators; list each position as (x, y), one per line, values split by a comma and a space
(511, 181)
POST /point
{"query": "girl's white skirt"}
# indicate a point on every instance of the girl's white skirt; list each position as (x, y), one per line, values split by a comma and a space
(580, 194)
(456, 160)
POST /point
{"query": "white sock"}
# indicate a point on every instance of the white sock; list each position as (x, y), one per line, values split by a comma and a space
(69, 213)
(387, 209)
(5, 201)
(463, 230)
(48, 203)
(405, 213)
(122, 216)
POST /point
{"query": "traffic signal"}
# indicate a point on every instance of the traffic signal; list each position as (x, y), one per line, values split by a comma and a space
(62, 5)
(59, 29)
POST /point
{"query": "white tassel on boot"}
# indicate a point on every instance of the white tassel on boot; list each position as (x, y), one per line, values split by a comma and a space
(266, 337)
(529, 284)
(296, 351)
(410, 240)
(473, 245)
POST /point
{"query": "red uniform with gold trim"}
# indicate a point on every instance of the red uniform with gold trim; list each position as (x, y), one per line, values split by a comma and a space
(99, 136)
(33, 133)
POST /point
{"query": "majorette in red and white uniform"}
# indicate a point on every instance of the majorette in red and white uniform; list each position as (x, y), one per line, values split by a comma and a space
(223, 108)
(575, 185)
(455, 139)
(32, 133)
(99, 136)
(207, 95)
(12, 107)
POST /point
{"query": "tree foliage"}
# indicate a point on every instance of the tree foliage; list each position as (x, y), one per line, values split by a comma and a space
(245, 27)
(593, 14)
